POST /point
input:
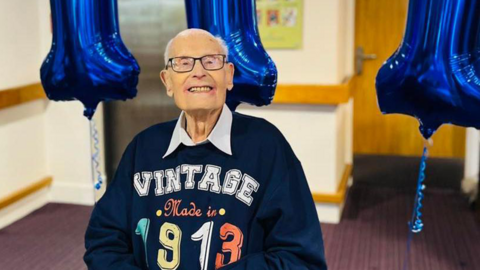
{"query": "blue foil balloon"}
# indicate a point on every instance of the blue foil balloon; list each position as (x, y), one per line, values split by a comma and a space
(235, 21)
(88, 60)
(433, 75)
(111, 34)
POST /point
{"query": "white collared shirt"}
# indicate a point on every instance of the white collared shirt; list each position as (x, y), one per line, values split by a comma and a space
(220, 135)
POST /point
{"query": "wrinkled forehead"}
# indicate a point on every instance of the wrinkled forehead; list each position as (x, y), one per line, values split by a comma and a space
(195, 46)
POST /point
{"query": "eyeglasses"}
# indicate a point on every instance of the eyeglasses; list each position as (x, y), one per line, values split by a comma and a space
(209, 62)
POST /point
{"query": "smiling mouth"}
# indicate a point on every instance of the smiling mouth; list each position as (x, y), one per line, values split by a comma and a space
(200, 89)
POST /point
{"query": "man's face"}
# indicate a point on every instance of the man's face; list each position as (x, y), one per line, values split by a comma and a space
(179, 85)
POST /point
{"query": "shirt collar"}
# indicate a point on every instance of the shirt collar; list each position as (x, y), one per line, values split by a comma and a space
(220, 135)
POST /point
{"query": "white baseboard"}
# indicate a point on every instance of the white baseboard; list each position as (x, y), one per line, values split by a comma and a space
(22, 208)
(469, 187)
(329, 212)
(72, 193)
(332, 212)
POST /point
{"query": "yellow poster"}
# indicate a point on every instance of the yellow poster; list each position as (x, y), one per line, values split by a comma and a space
(280, 23)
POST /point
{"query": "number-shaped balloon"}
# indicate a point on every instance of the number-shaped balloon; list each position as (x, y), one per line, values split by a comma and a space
(434, 74)
(236, 22)
(88, 61)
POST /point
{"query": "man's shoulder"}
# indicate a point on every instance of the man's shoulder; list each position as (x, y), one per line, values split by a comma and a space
(253, 122)
(157, 134)
(258, 133)
(257, 127)
(159, 129)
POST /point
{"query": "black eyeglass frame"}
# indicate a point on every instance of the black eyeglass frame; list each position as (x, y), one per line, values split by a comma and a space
(170, 60)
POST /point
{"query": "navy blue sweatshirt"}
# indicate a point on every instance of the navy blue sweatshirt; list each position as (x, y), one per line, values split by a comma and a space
(201, 209)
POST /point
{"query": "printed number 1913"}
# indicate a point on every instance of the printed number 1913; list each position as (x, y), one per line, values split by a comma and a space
(171, 237)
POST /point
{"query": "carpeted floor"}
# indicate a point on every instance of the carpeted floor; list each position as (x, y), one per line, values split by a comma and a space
(50, 238)
(373, 231)
(371, 236)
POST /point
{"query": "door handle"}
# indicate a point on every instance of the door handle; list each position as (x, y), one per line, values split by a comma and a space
(360, 57)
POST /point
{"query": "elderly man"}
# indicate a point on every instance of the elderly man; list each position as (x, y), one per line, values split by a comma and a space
(213, 189)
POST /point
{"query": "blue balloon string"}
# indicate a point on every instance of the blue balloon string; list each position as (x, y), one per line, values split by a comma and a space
(415, 224)
(96, 154)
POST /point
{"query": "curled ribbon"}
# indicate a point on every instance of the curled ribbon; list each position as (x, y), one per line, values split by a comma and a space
(96, 154)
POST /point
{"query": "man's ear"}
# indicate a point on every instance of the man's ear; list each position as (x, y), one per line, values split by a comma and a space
(166, 81)
(230, 71)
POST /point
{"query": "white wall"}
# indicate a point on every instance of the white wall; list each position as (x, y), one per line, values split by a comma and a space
(68, 152)
(22, 136)
(327, 53)
(22, 147)
(19, 43)
(472, 155)
(40, 138)
(306, 128)
(326, 58)
(22, 130)
(67, 137)
(320, 135)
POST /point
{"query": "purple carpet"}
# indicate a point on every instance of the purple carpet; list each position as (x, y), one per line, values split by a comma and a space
(371, 236)
(50, 238)
(373, 232)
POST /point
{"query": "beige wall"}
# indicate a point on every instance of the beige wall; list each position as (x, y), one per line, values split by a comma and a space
(320, 135)
(19, 43)
(22, 133)
(327, 53)
(40, 138)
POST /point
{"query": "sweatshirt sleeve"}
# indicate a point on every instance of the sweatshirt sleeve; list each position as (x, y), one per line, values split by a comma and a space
(293, 237)
(107, 239)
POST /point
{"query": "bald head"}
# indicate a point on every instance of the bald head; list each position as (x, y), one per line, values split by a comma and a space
(201, 91)
(190, 35)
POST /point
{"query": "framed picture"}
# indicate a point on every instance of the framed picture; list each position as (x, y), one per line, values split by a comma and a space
(280, 23)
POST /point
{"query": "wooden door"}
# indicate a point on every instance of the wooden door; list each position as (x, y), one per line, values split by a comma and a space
(379, 29)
